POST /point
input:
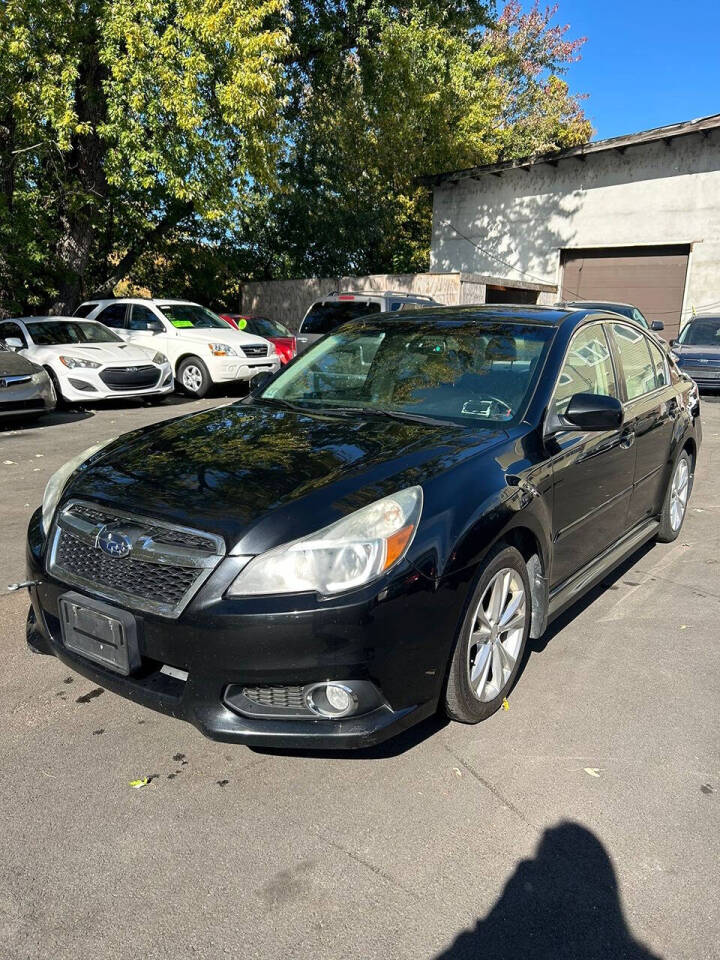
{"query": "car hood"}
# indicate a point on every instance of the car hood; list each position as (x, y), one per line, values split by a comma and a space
(216, 335)
(259, 476)
(97, 352)
(697, 351)
(13, 365)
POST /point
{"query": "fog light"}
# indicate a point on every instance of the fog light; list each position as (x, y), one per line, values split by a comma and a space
(331, 699)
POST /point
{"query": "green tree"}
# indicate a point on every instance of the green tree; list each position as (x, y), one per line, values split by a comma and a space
(122, 121)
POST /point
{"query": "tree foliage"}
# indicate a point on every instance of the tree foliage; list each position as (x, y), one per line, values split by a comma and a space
(185, 144)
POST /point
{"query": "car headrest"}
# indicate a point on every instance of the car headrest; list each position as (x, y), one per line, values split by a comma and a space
(501, 348)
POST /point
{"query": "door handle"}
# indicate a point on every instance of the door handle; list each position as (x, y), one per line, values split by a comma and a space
(627, 439)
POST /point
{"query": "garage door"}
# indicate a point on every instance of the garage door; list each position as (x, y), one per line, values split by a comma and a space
(651, 278)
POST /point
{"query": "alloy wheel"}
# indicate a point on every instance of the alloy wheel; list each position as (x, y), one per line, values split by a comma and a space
(192, 378)
(497, 634)
(679, 493)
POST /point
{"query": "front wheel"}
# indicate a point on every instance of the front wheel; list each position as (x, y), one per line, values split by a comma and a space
(676, 500)
(489, 649)
(194, 377)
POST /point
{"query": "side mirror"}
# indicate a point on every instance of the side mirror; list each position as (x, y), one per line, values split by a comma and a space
(673, 342)
(588, 411)
(155, 327)
(259, 381)
(14, 343)
(657, 325)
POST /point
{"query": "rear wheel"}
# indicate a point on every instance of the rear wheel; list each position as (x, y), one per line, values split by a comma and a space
(676, 500)
(489, 649)
(194, 377)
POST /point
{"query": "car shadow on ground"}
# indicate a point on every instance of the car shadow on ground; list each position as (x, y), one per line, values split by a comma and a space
(563, 904)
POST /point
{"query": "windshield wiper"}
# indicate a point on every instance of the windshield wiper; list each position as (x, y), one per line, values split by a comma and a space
(392, 414)
(282, 404)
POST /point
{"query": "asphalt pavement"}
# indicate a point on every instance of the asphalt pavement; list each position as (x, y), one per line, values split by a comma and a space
(580, 823)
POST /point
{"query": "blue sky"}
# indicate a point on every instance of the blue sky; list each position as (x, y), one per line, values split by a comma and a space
(645, 63)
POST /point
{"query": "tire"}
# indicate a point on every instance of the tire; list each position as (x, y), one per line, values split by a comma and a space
(676, 499)
(61, 402)
(504, 579)
(193, 377)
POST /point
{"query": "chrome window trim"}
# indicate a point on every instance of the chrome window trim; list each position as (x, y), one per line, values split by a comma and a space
(150, 551)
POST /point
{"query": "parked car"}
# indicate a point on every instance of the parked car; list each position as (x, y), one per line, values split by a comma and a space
(333, 309)
(25, 388)
(373, 534)
(86, 361)
(274, 331)
(624, 309)
(202, 349)
(697, 350)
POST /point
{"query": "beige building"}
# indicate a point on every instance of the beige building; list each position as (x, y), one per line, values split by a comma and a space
(633, 219)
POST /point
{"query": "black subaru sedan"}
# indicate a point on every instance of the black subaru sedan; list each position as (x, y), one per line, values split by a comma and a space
(374, 533)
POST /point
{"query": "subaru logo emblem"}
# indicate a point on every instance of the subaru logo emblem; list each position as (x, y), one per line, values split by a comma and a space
(114, 543)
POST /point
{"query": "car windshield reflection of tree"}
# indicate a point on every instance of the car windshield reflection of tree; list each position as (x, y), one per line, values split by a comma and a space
(461, 371)
(563, 904)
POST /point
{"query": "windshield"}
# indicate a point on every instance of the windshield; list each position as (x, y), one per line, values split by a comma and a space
(262, 327)
(325, 316)
(191, 315)
(50, 332)
(465, 371)
(704, 331)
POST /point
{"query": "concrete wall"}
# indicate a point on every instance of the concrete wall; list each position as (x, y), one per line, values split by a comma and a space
(288, 300)
(655, 193)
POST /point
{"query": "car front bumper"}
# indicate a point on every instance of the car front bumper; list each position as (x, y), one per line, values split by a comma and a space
(396, 637)
(226, 371)
(23, 399)
(83, 385)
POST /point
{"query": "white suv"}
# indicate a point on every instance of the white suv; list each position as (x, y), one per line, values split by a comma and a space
(202, 348)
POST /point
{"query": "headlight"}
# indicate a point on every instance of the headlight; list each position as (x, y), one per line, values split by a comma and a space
(347, 554)
(675, 356)
(160, 358)
(39, 377)
(56, 483)
(74, 362)
(221, 350)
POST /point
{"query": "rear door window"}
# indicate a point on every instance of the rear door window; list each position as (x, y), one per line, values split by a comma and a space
(113, 316)
(662, 377)
(638, 368)
(325, 315)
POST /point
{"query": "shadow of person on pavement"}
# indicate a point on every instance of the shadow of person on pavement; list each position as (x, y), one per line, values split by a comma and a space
(561, 905)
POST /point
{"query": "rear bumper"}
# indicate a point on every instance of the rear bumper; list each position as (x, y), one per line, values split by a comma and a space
(397, 637)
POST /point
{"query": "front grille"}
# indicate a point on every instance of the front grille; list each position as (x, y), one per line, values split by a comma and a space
(130, 378)
(159, 534)
(136, 578)
(268, 696)
(163, 567)
(255, 350)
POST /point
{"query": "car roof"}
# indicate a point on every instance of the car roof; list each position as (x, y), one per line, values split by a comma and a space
(52, 318)
(598, 303)
(157, 300)
(505, 312)
(704, 316)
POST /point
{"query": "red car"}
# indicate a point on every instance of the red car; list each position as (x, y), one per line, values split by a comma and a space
(271, 330)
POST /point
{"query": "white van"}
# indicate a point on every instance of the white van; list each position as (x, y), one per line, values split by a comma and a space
(202, 348)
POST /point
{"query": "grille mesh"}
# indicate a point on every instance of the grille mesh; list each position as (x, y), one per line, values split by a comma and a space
(255, 350)
(269, 696)
(122, 378)
(137, 578)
